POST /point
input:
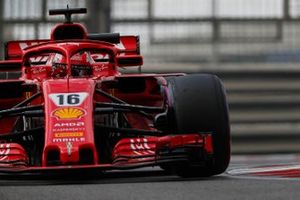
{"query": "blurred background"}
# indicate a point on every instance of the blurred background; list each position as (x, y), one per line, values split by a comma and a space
(253, 45)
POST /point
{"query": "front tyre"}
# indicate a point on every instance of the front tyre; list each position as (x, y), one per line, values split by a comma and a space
(198, 104)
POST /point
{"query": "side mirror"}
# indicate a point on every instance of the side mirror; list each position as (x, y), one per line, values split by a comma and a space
(129, 61)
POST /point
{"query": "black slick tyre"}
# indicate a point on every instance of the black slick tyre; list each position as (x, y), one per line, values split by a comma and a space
(198, 104)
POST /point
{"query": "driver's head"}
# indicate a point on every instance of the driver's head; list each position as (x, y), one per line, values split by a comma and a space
(59, 66)
(81, 70)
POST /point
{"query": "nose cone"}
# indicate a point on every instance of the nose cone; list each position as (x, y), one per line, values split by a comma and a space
(69, 135)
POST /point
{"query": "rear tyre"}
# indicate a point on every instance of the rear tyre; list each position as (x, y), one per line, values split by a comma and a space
(198, 104)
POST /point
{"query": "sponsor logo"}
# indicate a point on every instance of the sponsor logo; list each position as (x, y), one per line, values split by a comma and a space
(68, 99)
(68, 134)
(73, 139)
(100, 56)
(39, 59)
(100, 68)
(140, 146)
(71, 129)
(37, 70)
(69, 43)
(69, 113)
(69, 124)
(4, 151)
(24, 45)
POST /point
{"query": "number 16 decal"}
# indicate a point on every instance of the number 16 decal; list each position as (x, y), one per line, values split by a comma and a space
(68, 99)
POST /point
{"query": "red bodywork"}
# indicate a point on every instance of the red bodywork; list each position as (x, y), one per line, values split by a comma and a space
(96, 120)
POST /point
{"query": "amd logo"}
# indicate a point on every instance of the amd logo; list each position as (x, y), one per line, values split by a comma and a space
(69, 124)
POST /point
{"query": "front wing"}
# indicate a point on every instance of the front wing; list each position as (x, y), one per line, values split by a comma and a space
(127, 153)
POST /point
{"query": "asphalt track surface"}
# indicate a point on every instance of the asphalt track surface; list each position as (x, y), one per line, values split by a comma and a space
(243, 180)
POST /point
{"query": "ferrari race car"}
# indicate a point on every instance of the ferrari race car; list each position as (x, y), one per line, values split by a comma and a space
(65, 105)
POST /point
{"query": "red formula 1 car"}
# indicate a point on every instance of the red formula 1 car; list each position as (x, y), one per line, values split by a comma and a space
(64, 105)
